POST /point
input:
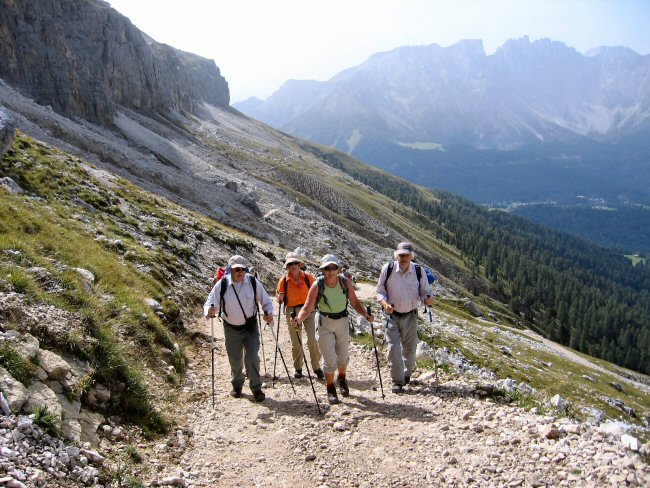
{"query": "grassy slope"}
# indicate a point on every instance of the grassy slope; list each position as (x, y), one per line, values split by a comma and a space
(137, 246)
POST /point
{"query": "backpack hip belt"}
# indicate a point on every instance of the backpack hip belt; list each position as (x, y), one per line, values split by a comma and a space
(335, 316)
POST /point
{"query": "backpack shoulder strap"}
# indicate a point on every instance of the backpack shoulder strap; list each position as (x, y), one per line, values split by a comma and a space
(343, 281)
(389, 271)
(306, 279)
(418, 272)
(321, 289)
(222, 292)
(254, 285)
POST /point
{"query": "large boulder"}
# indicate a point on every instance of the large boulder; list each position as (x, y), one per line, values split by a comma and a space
(473, 309)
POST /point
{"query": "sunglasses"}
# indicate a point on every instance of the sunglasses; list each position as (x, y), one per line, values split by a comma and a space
(239, 270)
(331, 268)
(293, 264)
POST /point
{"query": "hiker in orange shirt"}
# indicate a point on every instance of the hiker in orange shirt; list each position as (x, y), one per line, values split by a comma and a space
(292, 291)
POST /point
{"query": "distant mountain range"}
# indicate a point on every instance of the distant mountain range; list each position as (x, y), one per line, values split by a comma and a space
(533, 121)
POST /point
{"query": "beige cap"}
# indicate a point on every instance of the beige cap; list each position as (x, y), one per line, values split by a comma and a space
(237, 261)
(404, 248)
(292, 257)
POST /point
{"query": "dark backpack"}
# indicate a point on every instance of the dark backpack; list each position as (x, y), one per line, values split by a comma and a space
(321, 289)
(286, 285)
(224, 287)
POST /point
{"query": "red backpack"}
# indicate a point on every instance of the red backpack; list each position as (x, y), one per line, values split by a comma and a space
(219, 274)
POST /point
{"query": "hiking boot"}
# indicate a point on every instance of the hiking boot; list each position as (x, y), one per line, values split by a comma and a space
(298, 374)
(259, 395)
(332, 397)
(398, 389)
(319, 374)
(343, 386)
(236, 393)
(407, 380)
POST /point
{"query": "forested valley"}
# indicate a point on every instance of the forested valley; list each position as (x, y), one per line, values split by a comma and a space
(574, 292)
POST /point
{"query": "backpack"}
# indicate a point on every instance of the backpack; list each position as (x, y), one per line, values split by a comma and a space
(286, 285)
(220, 273)
(431, 278)
(224, 287)
(321, 289)
(418, 272)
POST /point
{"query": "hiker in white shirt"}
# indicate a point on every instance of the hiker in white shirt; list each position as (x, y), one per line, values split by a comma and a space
(399, 292)
(236, 304)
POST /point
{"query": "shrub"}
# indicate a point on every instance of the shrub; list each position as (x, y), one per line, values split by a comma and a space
(46, 420)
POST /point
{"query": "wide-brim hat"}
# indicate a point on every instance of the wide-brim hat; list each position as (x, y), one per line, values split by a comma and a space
(237, 261)
(292, 257)
(327, 260)
(404, 248)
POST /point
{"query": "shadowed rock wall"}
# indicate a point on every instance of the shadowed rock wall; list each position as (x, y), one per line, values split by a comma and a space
(84, 58)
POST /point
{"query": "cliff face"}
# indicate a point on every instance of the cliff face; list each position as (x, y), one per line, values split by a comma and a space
(84, 58)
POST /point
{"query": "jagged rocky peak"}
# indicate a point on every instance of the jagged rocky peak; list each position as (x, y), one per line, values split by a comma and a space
(84, 58)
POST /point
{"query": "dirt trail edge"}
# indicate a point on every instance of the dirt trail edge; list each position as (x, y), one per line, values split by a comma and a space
(433, 435)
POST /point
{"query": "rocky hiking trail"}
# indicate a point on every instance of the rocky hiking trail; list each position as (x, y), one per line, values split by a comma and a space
(433, 435)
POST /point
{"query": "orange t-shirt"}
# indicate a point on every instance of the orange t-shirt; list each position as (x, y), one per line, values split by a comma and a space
(296, 293)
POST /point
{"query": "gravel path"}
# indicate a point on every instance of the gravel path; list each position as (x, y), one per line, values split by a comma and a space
(432, 435)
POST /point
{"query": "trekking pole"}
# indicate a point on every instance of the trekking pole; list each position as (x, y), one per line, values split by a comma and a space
(275, 361)
(259, 324)
(435, 363)
(374, 346)
(212, 352)
(277, 345)
(293, 316)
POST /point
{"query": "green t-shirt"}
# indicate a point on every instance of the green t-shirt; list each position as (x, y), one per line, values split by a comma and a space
(336, 299)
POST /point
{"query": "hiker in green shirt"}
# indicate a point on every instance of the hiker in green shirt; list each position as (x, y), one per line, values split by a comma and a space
(330, 294)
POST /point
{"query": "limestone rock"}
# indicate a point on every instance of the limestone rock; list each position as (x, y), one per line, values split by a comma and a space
(10, 185)
(42, 396)
(55, 366)
(15, 393)
(27, 346)
(473, 309)
(559, 403)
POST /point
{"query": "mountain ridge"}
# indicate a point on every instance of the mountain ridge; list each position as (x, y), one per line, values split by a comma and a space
(433, 115)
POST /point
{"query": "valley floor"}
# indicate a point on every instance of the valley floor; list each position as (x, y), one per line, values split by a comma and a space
(433, 435)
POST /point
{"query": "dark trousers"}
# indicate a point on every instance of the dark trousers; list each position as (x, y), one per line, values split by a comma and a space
(243, 348)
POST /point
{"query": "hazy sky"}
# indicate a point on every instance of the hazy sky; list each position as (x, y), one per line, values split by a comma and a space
(259, 44)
